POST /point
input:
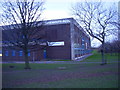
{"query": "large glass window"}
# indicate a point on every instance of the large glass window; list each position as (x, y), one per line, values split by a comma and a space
(86, 45)
(13, 53)
(28, 52)
(0, 52)
(6, 53)
(20, 53)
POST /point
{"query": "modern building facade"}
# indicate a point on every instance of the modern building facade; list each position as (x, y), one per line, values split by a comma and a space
(65, 39)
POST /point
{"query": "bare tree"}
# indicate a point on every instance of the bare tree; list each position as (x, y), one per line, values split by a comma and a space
(96, 20)
(111, 47)
(22, 25)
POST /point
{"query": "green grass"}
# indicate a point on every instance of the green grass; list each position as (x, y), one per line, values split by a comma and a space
(18, 66)
(59, 60)
(96, 57)
(77, 75)
(93, 82)
(49, 76)
(84, 82)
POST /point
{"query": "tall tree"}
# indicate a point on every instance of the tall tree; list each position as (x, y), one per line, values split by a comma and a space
(22, 25)
(95, 19)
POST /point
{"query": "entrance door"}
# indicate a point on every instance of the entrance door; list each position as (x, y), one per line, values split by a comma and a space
(45, 55)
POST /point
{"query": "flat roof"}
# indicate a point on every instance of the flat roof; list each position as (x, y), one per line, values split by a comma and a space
(57, 22)
(65, 21)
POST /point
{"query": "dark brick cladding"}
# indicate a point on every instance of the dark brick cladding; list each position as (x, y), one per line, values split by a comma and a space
(55, 33)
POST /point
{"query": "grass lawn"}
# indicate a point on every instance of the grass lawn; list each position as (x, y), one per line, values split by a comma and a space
(59, 60)
(96, 57)
(89, 75)
(77, 75)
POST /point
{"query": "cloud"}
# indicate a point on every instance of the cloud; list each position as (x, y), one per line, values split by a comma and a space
(55, 14)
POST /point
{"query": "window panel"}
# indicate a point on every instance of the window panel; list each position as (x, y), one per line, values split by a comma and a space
(6, 53)
(13, 53)
(28, 52)
(0, 52)
(20, 53)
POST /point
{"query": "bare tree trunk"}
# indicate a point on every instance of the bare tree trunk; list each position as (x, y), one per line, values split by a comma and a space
(111, 53)
(23, 19)
(96, 21)
(104, 61)
(27, 66)
(102, 53)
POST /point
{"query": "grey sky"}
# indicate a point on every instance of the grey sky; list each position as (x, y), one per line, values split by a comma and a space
(57, 9)
(62, 8)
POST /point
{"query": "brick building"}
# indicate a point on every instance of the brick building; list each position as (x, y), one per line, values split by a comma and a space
(65, 39)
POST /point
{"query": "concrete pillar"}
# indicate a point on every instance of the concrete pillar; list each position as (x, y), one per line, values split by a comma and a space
(72, 39)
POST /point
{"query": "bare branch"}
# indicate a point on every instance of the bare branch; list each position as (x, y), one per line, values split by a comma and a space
(23, 26)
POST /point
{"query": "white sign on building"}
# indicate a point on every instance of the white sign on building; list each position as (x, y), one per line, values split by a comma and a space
(61, 43)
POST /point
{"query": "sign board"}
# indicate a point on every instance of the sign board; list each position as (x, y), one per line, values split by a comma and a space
(61, 43)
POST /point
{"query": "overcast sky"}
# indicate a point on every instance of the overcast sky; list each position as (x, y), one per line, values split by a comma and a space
(57, 9)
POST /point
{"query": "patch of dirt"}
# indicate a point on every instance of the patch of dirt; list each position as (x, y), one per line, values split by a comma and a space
(58, 76)
(50, 75)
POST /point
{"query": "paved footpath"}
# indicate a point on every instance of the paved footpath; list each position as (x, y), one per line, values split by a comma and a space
(77, 61)
(60, 62)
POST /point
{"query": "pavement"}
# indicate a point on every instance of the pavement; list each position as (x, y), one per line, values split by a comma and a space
(76, 61)
(82, 57)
